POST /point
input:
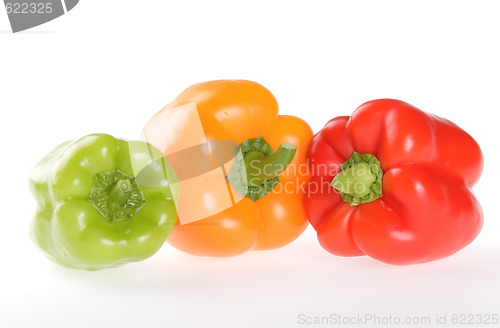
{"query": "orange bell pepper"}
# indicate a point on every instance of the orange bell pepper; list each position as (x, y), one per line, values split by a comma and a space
(238, 111)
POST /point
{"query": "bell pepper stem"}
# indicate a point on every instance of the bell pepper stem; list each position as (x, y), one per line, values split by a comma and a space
(260, 168)
(355, 181)
(116, 195)
(256, 167)
(120, 192)
(360, 179)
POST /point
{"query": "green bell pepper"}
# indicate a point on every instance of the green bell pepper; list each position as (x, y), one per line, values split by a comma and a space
(102, 202)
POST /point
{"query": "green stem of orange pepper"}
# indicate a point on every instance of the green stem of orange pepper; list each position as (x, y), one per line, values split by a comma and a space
(256, 167)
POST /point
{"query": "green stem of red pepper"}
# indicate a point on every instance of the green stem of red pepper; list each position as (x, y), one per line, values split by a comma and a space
(360, 179)
(256, 167)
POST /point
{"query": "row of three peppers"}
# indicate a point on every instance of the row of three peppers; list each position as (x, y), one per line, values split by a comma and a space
(390, 181)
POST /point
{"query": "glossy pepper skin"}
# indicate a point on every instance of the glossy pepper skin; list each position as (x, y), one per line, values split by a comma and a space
(240, 110)
(92, 211)
(426, 211)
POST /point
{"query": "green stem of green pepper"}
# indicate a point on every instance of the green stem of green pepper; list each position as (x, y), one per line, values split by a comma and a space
(116, 195)
(120, 192)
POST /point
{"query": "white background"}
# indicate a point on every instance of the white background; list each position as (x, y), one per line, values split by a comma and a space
(107, 66)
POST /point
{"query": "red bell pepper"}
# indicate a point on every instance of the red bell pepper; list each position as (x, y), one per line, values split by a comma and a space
(394, 183)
